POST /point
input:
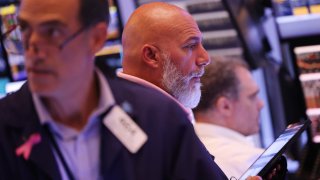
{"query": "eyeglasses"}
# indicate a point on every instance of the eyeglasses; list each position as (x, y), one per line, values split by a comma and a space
(71, 37)
(45, 35)
(49, 40)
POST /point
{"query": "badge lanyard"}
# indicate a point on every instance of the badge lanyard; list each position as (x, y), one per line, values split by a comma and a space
(59, 153)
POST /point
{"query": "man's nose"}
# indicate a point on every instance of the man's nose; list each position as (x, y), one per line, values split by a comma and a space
(204, 58)
(32, 42)
(261, 104)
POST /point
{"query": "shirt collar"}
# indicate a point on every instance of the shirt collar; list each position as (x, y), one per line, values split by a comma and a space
(106, 100)
(212, 130)
(148, 84)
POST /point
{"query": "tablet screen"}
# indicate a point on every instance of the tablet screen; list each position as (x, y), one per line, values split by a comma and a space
(276, 149)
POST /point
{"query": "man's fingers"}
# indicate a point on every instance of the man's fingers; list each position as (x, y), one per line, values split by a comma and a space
(254, 178)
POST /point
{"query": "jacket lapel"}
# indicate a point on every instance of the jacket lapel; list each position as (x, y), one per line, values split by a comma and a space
(110, 145)
(110, 150)
(42, 156)
(24, 125)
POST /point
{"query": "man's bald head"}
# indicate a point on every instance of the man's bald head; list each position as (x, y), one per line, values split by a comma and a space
(150, 19)
(153, 24)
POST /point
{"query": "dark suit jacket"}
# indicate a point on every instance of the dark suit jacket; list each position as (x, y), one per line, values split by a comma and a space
(172, 150)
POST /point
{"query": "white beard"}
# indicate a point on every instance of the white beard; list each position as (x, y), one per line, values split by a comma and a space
(179, 85)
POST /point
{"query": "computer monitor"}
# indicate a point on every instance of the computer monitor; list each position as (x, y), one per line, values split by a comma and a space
(12, 49)
(3, 82)
(109, 57)
(246, 17)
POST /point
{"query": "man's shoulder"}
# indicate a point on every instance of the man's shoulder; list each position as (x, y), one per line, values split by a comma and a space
(125, 89)
(16, 104)
(147, 102)
(11, 99)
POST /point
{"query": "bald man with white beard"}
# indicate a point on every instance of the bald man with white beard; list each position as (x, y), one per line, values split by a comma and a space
(162, 49)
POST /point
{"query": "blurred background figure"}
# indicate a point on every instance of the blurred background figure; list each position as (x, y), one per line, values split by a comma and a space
(228, 112)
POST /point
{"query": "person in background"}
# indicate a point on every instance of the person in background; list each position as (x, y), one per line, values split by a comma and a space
(228, 112)
(71, 122)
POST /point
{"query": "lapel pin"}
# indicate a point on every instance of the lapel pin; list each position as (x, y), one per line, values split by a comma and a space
(126, 106)
(25, 148)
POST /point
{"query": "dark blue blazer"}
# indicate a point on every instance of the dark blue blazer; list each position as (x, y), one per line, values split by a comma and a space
(172, 150)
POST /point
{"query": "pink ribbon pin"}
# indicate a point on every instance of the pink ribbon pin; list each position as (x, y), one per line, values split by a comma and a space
(25, 148)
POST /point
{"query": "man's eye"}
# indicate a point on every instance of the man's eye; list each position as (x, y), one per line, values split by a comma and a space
(22, 27)
(254, 97)
(53, 32)
(191, 46)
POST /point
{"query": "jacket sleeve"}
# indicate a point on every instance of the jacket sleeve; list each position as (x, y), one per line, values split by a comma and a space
(191, 159)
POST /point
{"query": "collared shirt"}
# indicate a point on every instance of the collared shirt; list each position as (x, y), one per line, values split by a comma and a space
(148, 84)
(80, 149)
(233, 152)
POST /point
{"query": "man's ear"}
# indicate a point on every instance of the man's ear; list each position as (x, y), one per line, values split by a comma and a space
(151, 55)
(98, 36)
(224, 105)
